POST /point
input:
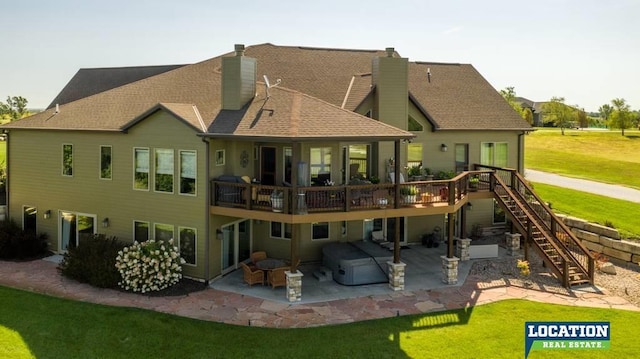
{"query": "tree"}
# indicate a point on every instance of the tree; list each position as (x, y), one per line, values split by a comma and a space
(581, 116)
(605, 112)
(509, 94)
(621, 117)
(557, 112)
(14, 109)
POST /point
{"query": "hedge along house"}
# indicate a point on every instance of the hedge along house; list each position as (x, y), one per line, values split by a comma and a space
(267, 148)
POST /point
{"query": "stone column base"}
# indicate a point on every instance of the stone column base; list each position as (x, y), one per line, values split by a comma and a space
(513, 243)
(462, 249)
(449, 270)
(396, 275)
(294, 286)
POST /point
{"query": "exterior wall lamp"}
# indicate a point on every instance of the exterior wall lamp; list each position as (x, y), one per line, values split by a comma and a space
(443, 148)
(105, 222)
(47, 214)
(469, 206)
(219, 234)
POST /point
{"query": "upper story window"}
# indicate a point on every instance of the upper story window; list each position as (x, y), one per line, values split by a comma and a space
(141, 168)
(414, 155)
(188, 172)
(320, 165)
(413, 125)
(67, 159)
(288, 159)
(494, 154)
(105, 162)
(163, 170)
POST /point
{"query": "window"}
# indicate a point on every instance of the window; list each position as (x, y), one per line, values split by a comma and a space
(163, 170)
(140, 231)
(288, 159)
(320, 164)
(414, 155)
(67, 160)
(141, 164)
(105, 162)
(187, 244)
(188, 172)
(320, 230)
(219, 157)
(163, 232)
(280, 230)
(29, 216)
(494, 154)
(387, 226)
(462, 157)
(358, 161)
(413, 125)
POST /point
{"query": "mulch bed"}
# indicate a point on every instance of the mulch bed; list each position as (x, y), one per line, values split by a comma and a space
(184, 287)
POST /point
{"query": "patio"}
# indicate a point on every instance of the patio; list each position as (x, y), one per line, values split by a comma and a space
(423, 272)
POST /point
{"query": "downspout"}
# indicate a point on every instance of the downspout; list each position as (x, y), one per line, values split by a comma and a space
(207, 230)
(6, 173)
(521, 152)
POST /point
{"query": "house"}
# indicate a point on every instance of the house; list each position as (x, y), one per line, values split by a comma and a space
(270, 148)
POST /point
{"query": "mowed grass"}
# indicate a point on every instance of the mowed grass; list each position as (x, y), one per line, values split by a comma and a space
(604, 156)
(624, 215)
(34, 325)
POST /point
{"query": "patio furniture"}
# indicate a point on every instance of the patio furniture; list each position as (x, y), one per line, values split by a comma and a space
(277, 277)
(270, 263)
(252, 276)
(258, 256)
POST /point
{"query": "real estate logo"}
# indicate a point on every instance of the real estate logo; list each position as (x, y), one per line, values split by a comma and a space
(566, 336)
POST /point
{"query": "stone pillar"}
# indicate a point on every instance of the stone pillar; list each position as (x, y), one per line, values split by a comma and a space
(462, 249)
(513, 243)
(396, 275)
(294, 285)
(449, 270)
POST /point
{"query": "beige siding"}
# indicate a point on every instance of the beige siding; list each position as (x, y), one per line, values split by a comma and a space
(36, 179)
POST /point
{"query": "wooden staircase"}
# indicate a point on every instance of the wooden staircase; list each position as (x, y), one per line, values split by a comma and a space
(561, 251)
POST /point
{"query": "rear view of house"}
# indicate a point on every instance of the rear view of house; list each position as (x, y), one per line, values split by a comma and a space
(270, 148)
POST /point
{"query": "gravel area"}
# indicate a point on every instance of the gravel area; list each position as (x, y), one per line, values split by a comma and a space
(625, 283)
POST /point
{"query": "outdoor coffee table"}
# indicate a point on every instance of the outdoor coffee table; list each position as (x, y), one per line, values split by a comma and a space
(270, 263)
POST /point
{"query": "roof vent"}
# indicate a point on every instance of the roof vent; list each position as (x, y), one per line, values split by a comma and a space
(429, 74)
(390, 51)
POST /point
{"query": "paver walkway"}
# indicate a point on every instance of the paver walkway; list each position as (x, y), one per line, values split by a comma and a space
(603, 189)
(214, 305)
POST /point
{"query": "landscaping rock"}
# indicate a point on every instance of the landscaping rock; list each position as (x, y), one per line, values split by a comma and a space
(608, 268)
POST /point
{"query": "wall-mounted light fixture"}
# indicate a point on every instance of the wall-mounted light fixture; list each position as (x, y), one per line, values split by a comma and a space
(443, 148)
(47, 214)
(469, 206)
(219, 234)
(105, 222)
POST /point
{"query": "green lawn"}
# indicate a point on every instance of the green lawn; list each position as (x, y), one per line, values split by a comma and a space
(594, 208)
(33, 325)
(604, 156)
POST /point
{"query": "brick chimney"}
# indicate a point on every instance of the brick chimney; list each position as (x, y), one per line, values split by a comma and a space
(238, 79)
(390, 76)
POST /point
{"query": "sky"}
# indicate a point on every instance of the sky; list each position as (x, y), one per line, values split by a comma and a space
(586, 51)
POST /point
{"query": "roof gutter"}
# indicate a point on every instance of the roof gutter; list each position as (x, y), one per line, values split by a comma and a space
(304, 139)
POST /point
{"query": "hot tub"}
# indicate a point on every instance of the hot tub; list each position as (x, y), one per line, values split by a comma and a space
(355, 263)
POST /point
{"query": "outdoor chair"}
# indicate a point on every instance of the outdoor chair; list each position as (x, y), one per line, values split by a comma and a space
(252, 276)
(277, 278)
(258, 256)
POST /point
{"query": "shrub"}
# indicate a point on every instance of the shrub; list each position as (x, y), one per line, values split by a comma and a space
(93, 261)
(15, 243)
(149, 266)
(523, 266)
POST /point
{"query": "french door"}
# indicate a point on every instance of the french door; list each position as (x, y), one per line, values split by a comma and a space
(75, 226)
(236, 244)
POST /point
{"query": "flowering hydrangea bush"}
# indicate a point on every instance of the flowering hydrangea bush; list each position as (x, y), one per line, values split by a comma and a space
(149, 266)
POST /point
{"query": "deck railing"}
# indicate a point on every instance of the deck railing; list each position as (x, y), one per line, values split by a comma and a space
(346, 198)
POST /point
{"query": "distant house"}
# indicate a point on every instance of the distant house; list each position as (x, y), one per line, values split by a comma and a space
(270, 148)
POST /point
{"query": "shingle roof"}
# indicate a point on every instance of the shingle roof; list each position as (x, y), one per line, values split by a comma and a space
(87, 82)
(319, 80)
(290, 115)
(457, 97)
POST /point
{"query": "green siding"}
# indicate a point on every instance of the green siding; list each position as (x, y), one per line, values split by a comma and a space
(36, 179)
